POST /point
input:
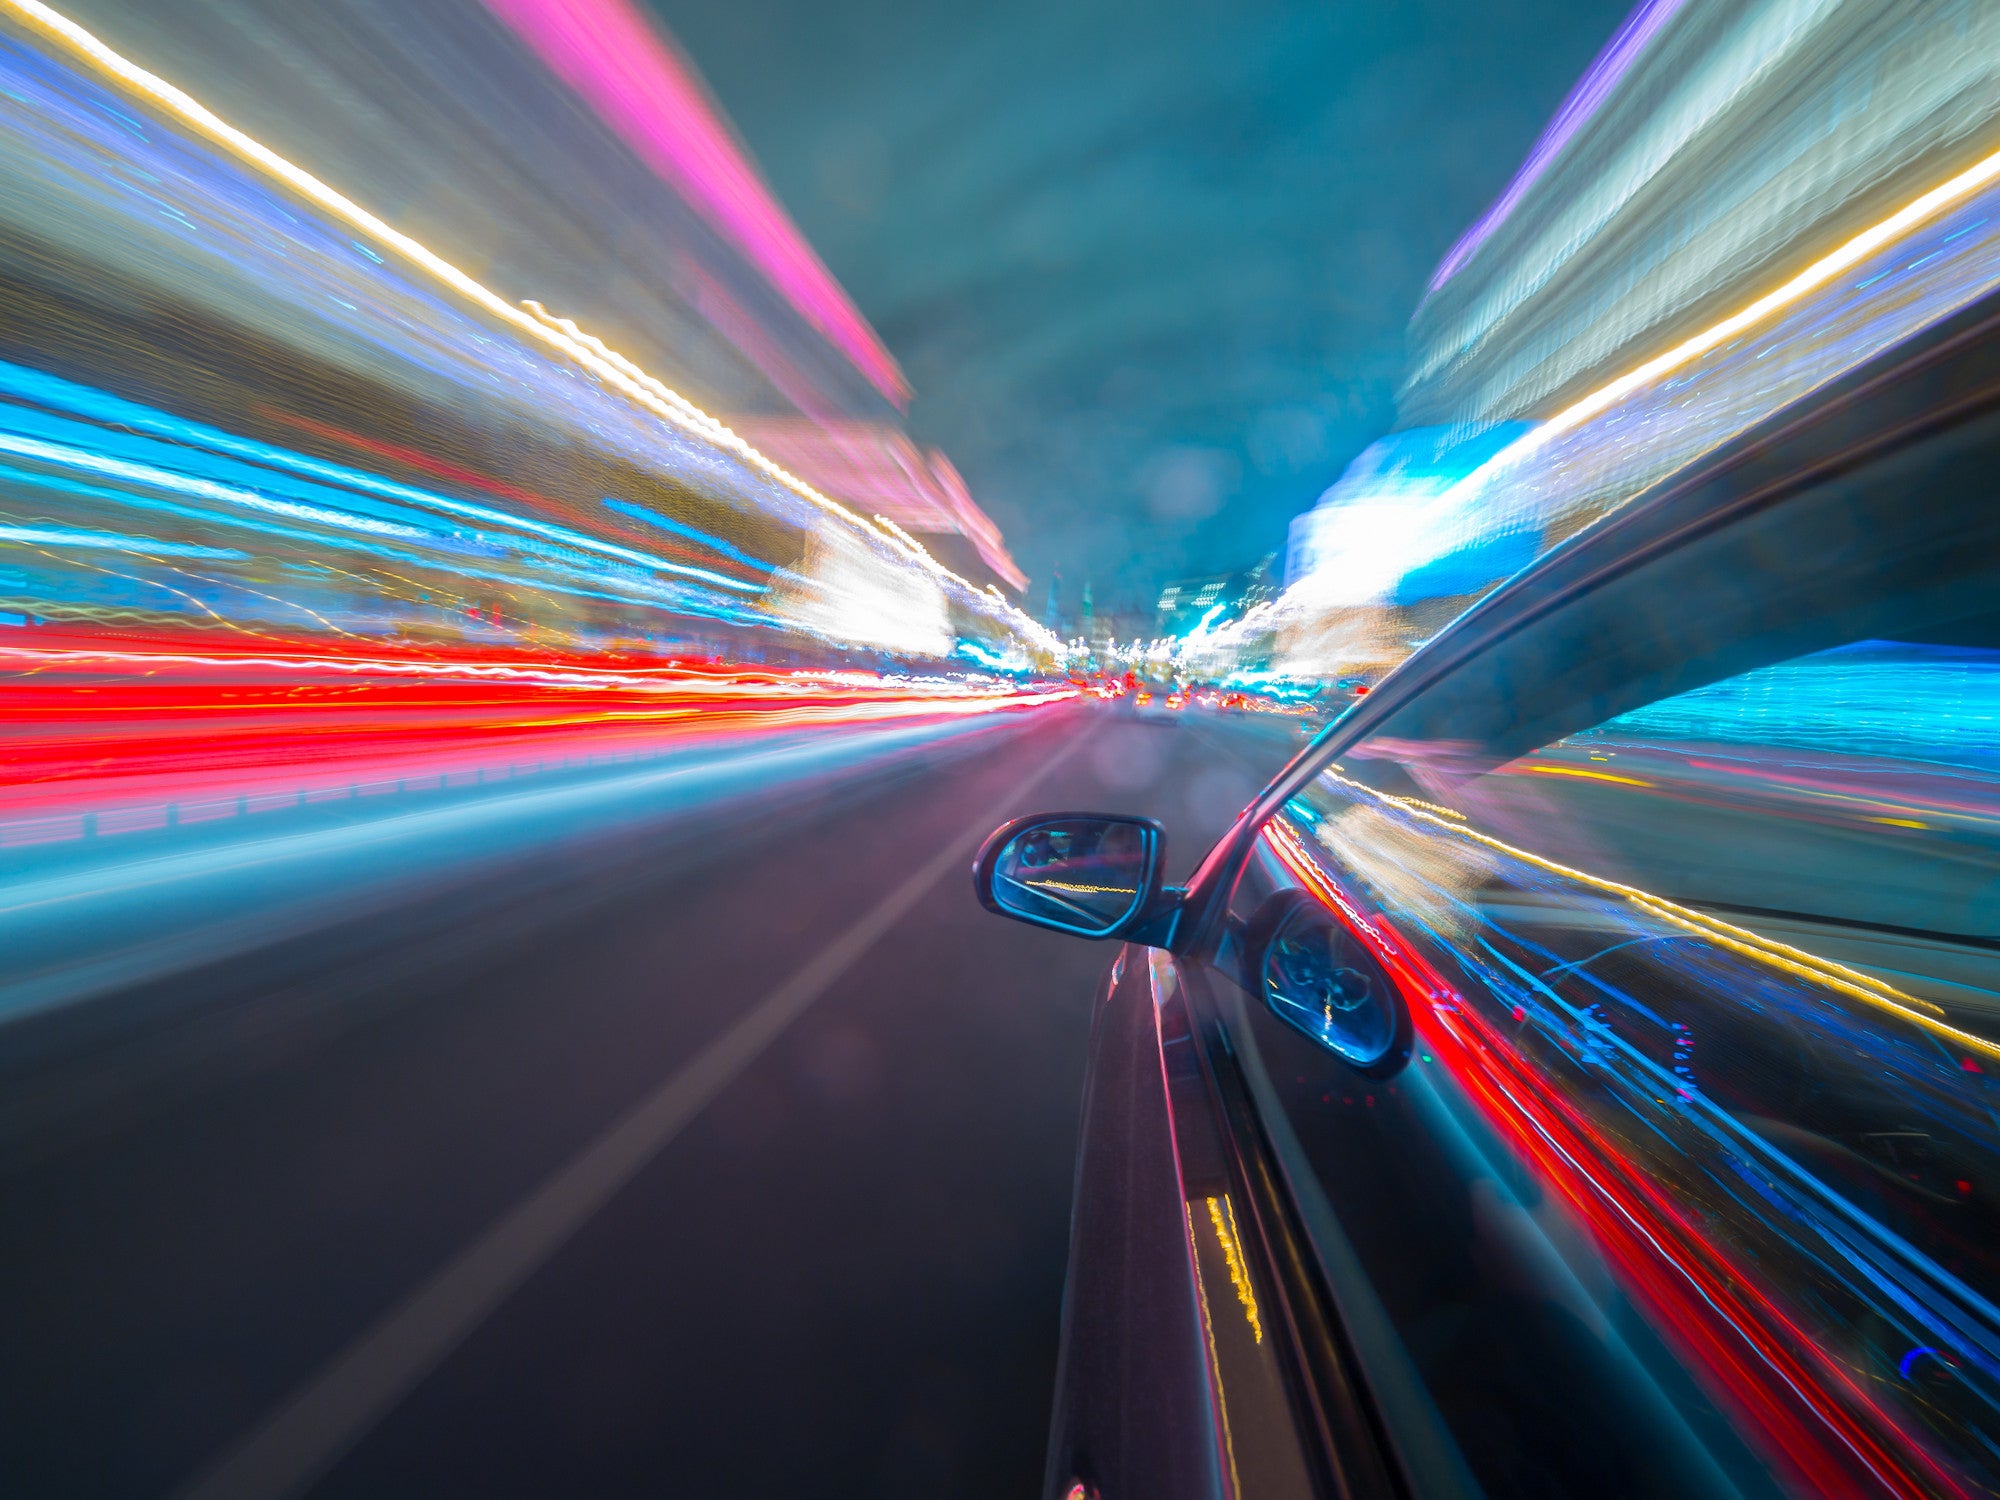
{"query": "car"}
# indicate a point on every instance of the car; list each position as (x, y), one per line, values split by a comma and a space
(1578, 1073)
(1156, 708)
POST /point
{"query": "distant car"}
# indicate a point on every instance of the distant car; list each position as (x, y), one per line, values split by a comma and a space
(1578, 1074)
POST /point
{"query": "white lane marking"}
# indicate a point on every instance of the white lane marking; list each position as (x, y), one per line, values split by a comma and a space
(326, 1416)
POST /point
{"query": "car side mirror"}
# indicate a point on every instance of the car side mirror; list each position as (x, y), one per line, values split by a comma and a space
(1316, 975)
(1090, 874)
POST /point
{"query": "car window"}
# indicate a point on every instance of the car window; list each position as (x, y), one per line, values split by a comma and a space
(1699, 1148)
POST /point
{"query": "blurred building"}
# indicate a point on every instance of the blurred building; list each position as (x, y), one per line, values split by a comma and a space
(1186, 600)
(1184, 603)
(1714, 149)
(559, 159)
(1113, 625)
(1737, 203)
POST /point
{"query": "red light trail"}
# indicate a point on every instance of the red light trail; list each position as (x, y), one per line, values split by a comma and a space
(1802, 1408)
(94, 722)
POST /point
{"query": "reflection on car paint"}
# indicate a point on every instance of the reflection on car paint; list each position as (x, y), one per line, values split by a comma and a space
(1222, 1218)
(1828, 1276)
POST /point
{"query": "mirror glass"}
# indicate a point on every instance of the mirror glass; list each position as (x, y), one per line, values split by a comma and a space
(1084, 875)
(1319, 978)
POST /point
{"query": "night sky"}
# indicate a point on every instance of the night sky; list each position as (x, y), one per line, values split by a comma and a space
(1147, 266)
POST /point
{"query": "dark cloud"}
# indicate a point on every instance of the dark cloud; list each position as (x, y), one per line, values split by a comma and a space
(1147, 266)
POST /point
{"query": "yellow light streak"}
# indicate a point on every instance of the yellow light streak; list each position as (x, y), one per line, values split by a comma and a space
(1587, 775)
(87, 566)
(557, 334)
(1418, 802)
(1715, 932)
(919, 552)
(1768, 951)
(1208, 1336)
(1222, 1214)
(1843, 258)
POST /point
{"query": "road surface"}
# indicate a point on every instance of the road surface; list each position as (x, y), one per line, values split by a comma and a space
(724, 1148)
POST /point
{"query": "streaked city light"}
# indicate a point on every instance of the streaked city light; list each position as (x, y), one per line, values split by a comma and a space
(516, 711)
(395, 531)
(616, 60)
(1813, 297)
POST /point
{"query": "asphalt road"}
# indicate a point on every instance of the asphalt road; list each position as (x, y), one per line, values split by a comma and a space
(724, 1152)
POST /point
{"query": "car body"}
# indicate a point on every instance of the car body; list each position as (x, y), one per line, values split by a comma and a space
(1578, 1073)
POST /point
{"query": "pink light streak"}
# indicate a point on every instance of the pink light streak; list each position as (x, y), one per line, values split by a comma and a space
(639, 86)
(880, 471)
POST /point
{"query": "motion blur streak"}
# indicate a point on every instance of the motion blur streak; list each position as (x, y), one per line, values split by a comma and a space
(97, 733)
(220, 872)
(1741, 202)
(1780, 955)
(1571, 116)
(1539, 483)
(553, 334)
(1814, 1417)
(330, 575)
(612, 57)
(1914, 213)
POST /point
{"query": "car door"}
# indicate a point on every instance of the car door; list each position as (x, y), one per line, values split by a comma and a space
(1615, 995)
